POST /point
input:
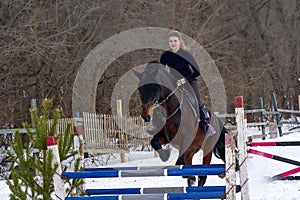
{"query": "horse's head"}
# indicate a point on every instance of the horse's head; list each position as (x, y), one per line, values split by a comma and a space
(149, 95)
(149, 90)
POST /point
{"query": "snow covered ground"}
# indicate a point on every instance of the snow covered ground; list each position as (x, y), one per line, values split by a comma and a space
(259, 168)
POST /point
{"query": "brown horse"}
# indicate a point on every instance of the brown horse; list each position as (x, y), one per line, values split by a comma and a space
(174, 114)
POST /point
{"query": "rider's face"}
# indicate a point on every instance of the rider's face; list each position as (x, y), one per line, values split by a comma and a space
(174, 43)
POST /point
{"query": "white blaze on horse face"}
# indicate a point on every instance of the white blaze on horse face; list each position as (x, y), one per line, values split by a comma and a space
(149, 109)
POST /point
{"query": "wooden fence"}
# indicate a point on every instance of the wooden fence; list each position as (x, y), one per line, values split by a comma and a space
(263, 123)
(101, 134)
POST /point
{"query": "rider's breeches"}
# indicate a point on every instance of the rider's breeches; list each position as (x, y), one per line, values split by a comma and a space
(196, 89)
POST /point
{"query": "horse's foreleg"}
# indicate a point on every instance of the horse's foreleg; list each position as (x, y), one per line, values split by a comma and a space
(188, 159)
(156, 143)
(206, 160)
(181, 161)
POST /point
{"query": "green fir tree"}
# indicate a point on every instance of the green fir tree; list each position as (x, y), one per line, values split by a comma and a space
(31, 175)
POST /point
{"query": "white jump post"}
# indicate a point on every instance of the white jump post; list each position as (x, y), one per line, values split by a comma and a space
(120, 114)
(230, 167)
(78, 138)
(299, 100)
(78, 141)
(241, 123)
(59, 187)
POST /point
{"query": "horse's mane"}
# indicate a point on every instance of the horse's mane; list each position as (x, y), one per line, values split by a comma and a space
(160, 74)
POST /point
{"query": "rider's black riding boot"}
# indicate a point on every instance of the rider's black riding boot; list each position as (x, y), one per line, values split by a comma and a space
(205, 122)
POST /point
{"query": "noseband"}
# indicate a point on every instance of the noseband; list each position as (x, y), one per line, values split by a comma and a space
(145, 105)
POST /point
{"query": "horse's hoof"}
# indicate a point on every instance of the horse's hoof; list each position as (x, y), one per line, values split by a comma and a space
(201, 180)
(164, 154)
(222, 175)
(191, 181)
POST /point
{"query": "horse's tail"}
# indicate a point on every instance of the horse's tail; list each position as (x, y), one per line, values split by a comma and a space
(219, 149)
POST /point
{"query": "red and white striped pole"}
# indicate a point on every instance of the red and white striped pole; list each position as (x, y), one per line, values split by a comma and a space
(241, 123)
(59, 187)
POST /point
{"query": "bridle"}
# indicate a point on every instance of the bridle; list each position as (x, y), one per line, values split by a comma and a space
(165, 100)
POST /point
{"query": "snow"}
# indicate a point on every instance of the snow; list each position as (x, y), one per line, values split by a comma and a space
(259, 169)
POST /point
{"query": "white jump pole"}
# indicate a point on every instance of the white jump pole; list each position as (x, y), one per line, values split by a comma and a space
(230, 167)
(241, 123)
(59, 187)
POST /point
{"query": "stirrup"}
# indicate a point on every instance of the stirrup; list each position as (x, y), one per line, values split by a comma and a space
(151, 130)
(209, 130)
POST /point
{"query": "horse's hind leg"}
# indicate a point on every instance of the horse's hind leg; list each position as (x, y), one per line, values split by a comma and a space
(206, 160)
(156, 143)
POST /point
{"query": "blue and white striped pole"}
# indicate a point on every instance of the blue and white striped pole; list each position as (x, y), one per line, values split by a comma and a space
(191, 189)
(110, 173)
(171, 196)
(158, 167)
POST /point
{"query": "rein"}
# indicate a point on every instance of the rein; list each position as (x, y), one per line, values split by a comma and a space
(167, 98)
(164, 119)
(157, 104)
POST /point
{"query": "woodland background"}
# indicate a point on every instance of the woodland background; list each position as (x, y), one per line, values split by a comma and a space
(255, 44)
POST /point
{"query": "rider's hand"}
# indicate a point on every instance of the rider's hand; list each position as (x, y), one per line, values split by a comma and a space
(181, 82)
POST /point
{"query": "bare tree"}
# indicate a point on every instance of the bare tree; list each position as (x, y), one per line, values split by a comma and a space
(255, 44)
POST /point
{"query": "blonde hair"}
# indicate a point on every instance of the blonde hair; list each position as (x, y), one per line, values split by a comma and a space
(177, 34)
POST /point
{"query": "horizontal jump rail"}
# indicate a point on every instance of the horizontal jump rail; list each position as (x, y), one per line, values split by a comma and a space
(145, 173)
(158, 167)
(287, 175)
(171, 196)
(157, 190)
(13, 130)
(288, 178)
(286, 122)
(290, 143)
(274, 157)
(288, 111)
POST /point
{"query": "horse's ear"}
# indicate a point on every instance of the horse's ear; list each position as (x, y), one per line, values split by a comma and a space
(137, 74)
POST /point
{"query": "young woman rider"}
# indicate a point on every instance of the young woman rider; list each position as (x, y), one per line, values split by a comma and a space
(184, 62)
